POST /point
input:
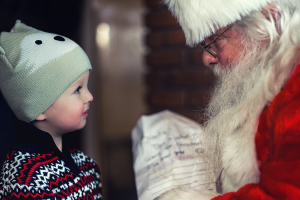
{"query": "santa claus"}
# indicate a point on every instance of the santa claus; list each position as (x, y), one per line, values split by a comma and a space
(252, 133)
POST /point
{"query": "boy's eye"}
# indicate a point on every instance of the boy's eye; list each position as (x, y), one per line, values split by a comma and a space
(78, 89)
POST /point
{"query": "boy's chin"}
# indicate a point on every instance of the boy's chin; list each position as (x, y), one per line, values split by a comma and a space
(82, 124)
(79, 126)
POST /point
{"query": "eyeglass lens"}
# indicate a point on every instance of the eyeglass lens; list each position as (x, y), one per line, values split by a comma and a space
(206, 47)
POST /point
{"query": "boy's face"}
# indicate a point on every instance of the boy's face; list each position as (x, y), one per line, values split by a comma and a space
(69, 112)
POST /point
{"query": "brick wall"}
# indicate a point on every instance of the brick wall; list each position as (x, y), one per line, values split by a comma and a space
(176, 78)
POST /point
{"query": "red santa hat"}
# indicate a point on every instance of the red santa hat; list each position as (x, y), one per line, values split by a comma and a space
(201, 18)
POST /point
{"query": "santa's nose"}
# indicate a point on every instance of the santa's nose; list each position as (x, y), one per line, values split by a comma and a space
(208, 59)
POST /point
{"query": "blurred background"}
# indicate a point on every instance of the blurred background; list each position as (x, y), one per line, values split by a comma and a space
(141, 65)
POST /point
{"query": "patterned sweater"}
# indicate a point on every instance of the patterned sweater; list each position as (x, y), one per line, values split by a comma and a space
(36, 169)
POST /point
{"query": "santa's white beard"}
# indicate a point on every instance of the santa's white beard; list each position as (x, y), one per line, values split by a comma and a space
(233, 114)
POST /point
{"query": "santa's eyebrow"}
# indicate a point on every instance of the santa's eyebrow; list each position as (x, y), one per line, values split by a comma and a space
(214, 35)
(218, 36)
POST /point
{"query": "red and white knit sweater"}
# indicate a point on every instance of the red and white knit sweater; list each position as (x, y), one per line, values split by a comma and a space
(36, 169)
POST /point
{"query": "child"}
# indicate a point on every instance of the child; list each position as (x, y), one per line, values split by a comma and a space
(43, 78)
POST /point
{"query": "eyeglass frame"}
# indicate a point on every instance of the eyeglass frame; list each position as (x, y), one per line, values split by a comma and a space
(206, 46)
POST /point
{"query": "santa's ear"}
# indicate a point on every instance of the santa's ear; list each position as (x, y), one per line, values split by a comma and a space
(271, 11)
(41, 117)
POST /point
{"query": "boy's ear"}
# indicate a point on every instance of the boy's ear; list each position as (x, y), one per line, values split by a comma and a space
(41, 117)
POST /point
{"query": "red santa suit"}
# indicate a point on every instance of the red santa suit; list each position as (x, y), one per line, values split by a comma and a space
(278, 148)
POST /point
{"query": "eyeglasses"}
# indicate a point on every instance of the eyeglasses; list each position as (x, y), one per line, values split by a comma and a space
(208, 46)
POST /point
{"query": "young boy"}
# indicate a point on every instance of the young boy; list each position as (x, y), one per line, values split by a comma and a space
(43, 78)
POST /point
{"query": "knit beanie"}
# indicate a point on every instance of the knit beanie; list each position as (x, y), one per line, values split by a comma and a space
(36, 68)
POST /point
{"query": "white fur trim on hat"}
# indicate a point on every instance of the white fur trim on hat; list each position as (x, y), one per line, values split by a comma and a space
(201, 18)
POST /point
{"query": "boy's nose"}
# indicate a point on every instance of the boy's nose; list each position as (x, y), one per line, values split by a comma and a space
(89, 97)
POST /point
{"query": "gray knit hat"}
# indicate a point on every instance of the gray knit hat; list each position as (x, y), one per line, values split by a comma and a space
(36, 68)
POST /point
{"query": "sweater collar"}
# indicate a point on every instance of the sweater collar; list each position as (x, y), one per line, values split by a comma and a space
(31, 139)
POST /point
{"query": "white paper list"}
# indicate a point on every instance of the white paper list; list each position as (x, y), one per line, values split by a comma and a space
(167, 150)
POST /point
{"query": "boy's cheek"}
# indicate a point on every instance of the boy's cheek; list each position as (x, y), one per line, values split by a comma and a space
(75, 117)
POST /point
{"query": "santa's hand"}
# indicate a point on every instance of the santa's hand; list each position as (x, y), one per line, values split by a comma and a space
(183, 193)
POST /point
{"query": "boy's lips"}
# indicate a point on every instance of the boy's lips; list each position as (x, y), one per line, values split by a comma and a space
(85, 114)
